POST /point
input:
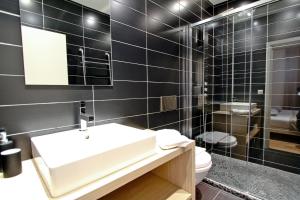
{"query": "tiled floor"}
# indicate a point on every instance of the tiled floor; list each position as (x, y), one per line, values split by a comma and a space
(205, 191)
(258, 180)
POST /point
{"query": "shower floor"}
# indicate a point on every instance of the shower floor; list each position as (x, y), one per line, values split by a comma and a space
(257, 180)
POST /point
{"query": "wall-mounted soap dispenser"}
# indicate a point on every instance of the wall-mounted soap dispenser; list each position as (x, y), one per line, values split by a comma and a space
(5, 144)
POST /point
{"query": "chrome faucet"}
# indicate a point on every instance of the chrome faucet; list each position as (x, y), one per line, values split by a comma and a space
(3, 136)
(84, 118)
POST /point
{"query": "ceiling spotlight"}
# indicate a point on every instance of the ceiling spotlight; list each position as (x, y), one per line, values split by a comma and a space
(91, 20)
(249, 14)
(179, 6)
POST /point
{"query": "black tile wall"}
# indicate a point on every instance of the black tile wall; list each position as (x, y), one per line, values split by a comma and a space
(146, 65)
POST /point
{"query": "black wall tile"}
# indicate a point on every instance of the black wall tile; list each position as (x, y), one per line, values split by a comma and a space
(119, 108)
(162, 45)
(128, 53)
(162, 30)
(164, 15)
(124, 14)
(160, 119)
(137, 5)
(136, 121)
(170, 5)
(33, 7)
(163, 75)
(64, 27)
(162, 60)
(10, 29)
(19, 119)
(127, 34)
(11, 6)
(163, 89)
(126, 71)
(62, 15)
(11, 60)
(65, 5)
(19, 93)
(122, 90)
(31, 19)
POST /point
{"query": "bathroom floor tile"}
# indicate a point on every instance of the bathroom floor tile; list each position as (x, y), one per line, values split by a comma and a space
(260, 181)
(206, 192)
(226, 196)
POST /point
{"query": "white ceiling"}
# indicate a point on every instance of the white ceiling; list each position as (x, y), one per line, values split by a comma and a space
(215, 2)
(102, 6)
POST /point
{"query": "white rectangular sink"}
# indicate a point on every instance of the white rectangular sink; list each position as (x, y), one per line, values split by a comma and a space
(67, 160)
(237, 105)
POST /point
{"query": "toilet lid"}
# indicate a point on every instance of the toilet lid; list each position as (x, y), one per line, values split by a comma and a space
(199, 150)
(227, 141)
(202, 160)
(213, 137)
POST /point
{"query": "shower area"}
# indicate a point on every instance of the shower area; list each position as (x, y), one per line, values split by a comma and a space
(245, 97)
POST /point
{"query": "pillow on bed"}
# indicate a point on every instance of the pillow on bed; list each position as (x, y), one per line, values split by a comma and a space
(278, 108)
(274, 112)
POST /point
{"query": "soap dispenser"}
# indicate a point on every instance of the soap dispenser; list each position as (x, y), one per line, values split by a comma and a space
(5, 144)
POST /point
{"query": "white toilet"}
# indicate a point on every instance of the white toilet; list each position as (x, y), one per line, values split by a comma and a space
(203, 163)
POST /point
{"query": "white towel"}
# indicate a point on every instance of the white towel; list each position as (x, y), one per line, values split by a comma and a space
(169, 138)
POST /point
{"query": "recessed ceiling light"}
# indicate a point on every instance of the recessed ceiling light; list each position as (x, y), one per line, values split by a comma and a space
(179, 6)
(91, 20)
(26, 2)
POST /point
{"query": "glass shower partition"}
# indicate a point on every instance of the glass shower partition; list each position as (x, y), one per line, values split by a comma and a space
(224, 80)
(246, 67)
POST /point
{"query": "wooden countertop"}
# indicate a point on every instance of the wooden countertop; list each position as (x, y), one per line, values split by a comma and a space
(29, 185)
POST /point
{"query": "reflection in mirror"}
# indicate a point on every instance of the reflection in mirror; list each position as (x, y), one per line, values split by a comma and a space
(282, 113)
(86, 25)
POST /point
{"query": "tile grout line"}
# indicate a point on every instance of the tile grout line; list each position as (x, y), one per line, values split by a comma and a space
(147, 62)
(217, 194)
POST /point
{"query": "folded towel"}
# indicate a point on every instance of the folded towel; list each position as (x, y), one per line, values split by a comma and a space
(169, 138)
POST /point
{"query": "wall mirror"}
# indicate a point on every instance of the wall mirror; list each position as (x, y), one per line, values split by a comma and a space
(66, 42)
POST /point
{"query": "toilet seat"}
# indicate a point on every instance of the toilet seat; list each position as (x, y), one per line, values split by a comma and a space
(228, 141)
(202, 158)
(220, 139)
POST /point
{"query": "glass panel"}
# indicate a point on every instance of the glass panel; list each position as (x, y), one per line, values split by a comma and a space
(250, 90)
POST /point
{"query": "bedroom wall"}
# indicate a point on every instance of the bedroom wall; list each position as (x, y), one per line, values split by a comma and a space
(289, 74)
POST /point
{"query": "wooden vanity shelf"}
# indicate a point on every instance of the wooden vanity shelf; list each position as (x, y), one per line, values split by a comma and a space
(167, 175)
(149, 187)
